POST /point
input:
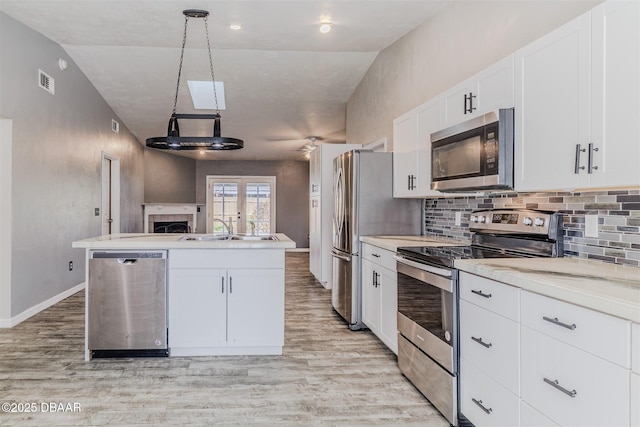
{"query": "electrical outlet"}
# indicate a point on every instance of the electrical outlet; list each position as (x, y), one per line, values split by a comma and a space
(70, 265)
(591, 226)
(458, 218)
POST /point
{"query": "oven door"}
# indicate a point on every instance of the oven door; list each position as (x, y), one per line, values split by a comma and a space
(427, 310)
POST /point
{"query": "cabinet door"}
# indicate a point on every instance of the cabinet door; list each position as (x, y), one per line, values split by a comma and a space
(494, 86)
(615, 104)
(255, 308)
(197, 308)
(635, 399)
(388, 292)
(315, 173)
(405, 162)
(429, 120)
(552, 108)
(456, 104)
(370, 296)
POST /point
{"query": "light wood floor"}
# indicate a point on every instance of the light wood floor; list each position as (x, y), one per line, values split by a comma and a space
(328, 375)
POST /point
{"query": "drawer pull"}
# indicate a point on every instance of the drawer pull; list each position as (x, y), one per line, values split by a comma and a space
(557, 385)
(479, 403)
(482, 294)
(479, 341)
(555, 321)
(375, 255)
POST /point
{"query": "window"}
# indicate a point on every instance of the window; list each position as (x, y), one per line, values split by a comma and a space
(247, 201)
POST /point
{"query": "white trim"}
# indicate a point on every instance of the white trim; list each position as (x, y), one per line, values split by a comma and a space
(6, 144)
(13, 321)
(297, 250)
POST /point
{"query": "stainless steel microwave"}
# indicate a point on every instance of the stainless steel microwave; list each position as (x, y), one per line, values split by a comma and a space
(474, 155)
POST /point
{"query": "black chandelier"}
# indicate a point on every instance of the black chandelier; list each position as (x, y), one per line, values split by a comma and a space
(173, 140)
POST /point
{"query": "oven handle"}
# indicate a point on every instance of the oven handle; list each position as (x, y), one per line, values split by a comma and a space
(424, 267)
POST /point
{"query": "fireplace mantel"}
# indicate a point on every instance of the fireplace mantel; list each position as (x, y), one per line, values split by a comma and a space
(169, 212)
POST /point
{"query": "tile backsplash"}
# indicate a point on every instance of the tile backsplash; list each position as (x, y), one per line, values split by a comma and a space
(618, 214)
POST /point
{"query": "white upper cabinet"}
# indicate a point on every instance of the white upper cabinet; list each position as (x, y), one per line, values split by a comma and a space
(490, 89)
(577, 103)
(412, 150)
(615, 102)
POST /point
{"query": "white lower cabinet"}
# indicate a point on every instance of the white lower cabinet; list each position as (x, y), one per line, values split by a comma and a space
(485, 402)
(571, 386)
(530, 360)
(217, 310)
(380, 294)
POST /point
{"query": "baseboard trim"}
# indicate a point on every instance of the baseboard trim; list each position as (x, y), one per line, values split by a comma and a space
(32, 311)
(297, 250)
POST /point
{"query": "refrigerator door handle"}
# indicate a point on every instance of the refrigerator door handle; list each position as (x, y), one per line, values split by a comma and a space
(338, 255)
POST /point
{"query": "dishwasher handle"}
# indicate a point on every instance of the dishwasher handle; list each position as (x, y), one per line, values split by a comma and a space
(123, 256)
(127, 261)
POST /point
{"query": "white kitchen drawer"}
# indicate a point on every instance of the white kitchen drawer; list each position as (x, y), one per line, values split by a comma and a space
(494, 296)
(530, 417)
(376, 255)
(596, 392)
(498, 353)
(635, 347)
(502, 408)
(597, 333)
(226, 258)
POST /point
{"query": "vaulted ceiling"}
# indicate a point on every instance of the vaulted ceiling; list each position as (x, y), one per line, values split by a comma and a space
(284, 80)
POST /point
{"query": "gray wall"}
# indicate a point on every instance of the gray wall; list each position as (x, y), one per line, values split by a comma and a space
(56, 161)
(292, 190)
(168, 178)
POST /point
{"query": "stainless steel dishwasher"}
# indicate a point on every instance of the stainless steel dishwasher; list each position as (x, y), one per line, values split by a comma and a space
(127, 304)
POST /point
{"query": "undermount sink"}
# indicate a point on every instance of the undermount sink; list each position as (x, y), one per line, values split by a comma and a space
(214, 237)
(206, 237)
(250, 237)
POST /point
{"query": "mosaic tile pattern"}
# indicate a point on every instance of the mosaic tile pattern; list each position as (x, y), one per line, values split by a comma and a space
(618, 214)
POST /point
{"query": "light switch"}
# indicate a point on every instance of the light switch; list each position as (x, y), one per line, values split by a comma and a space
(591, 226)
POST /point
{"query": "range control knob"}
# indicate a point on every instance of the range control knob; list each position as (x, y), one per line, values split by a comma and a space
(473, 218)
(527, 221)
(482, 219)
(538, 222)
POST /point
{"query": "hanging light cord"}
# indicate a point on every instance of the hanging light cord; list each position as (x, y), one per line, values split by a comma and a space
(213, 80)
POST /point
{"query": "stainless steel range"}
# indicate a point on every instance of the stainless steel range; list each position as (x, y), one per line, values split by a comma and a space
(428, 295)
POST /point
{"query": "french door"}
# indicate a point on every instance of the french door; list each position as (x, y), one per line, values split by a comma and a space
(247, 202)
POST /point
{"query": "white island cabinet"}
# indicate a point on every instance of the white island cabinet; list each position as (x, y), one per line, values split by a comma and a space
(224, 296)
(226, 302)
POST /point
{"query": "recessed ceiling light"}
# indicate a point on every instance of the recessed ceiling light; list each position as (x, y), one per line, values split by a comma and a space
(325, 27)
(235, 26)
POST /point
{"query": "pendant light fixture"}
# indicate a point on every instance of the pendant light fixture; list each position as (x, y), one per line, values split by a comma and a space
(173, 140)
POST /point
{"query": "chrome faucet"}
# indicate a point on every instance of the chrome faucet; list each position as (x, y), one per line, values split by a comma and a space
(253, 227)
(228, 227)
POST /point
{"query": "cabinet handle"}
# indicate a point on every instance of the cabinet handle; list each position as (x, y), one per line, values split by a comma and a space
(479, 403)
(555, 321)
(482, 294)
(590, 167)
(413, 182)
(579, 150)
(222, 285)
(230, 285)
(408, 182)
(557, 385)
(469, 99)
(479, 341)
(375, 255)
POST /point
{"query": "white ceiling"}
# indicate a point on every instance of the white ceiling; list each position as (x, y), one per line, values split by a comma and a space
(284, 80)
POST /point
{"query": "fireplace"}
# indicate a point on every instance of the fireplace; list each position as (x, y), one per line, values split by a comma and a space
(170, 218)
(171, 227)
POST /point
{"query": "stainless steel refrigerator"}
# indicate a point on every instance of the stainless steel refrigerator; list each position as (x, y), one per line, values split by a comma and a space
(363, 206)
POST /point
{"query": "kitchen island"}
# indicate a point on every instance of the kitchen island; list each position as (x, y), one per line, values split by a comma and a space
(224, 295)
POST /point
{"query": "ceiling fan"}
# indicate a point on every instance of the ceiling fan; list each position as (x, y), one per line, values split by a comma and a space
(309, 147)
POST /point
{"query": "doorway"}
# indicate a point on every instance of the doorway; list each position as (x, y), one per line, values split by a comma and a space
(247, 202)
(110, 208)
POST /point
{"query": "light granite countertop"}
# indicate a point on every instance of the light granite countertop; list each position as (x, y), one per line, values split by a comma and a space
(175, 241)
(608, 288)
(392, 243)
